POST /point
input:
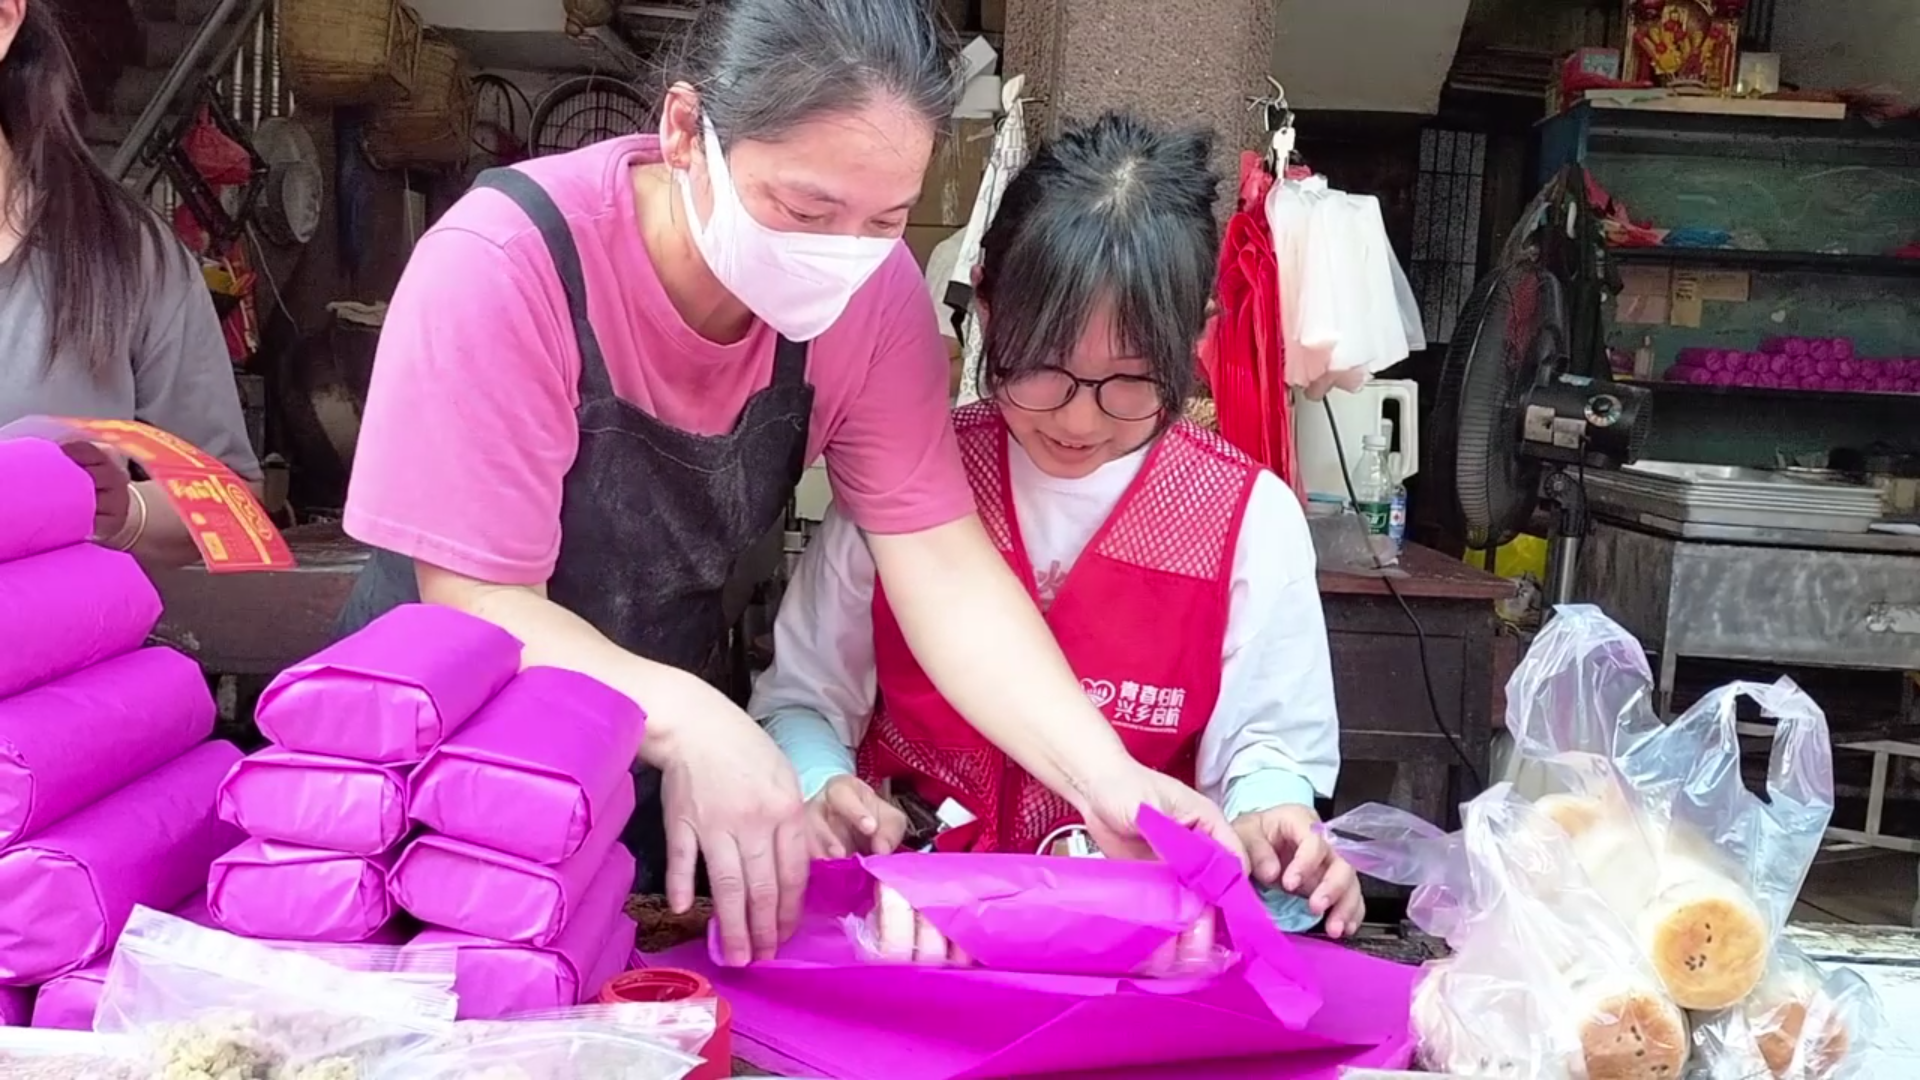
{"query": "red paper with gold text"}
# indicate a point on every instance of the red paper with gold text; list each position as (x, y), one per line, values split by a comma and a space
(227, 523)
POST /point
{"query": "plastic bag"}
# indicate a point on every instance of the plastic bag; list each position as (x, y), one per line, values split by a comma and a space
(199, 999)
(42, 1054)
(629, 1041)
(1545, 982)
(1724, 866)
(1801, 1023)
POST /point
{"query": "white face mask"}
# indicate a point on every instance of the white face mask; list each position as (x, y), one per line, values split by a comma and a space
(797, 283)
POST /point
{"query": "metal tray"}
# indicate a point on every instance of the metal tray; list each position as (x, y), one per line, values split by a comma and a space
(1637, 502)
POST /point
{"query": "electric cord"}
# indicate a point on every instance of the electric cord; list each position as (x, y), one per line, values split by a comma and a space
(1419, 631)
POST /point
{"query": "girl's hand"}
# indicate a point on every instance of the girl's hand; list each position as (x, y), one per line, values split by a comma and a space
(848, 817)
(1288, 850)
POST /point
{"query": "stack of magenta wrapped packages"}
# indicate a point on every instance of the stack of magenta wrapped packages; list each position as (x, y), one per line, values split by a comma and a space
(1798, 363)
(1617, 911)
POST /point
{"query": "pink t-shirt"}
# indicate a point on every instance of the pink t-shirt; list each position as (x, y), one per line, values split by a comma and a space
(470, 427)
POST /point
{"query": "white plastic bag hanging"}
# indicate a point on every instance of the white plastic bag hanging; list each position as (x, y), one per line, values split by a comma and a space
(1007, 157)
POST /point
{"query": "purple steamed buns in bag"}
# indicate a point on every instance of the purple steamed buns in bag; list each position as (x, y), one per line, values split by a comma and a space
(66, 893)
(70, 742)
(534, 772)
(16, 1006)
(50, 500)
(391, 692)
(69, 609)
(267, 889)
(463, 886)
(497, 978)
(315, 801)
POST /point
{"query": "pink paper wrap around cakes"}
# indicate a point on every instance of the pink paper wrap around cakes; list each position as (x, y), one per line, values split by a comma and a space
(533, 773)
(65, 894)
(464, 886)
(498, 978)
(323, 802)
(70, 742)
(70, 609)
(16, 1006)
(267, 889)
(50, 500)
(390, 693)
(70, 1001)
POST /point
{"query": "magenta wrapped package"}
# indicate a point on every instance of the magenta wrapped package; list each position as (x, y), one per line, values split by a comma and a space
(464, 886)
(617, 959)
(535, 771)
(65, 894)
(67, 743)
(267, 889)
(497, 978)
(316, 801)
(16, 1004)
(50, 500)
(391, 692)
(70, 609)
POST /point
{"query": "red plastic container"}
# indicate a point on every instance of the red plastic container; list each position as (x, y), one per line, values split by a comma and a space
(672, 984)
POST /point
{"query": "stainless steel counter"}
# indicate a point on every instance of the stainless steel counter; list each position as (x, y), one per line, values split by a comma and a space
(1758, 595)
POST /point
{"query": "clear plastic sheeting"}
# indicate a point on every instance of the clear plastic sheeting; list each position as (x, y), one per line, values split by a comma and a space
(1627, 886)
(606, 1042)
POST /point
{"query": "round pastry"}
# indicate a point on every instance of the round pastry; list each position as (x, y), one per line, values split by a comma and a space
(1779, 1023)
(1706, 939)
(1634, 1034)
(1492, 1046)
(1575, 814)
(895, 926)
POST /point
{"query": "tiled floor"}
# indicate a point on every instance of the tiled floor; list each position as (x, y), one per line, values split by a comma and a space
(1864, 888)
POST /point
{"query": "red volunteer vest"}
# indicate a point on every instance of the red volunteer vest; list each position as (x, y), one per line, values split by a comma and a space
(1142, 619)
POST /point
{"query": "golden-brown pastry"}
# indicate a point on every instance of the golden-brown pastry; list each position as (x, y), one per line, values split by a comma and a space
(1634, 1033)
(1575, 814)
(1705, 937)
(1791, 1013)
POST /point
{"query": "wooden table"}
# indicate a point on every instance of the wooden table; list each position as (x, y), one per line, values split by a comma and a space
(1386, 718)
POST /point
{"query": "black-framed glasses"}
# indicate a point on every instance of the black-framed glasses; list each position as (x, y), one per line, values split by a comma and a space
(1123, 397)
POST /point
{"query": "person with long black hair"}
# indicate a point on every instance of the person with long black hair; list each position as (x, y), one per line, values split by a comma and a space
(103, 313)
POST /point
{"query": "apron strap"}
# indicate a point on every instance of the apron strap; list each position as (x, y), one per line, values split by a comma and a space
(789, 362)
(539, 207)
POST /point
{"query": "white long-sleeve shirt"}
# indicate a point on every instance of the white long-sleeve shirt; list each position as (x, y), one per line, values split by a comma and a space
(1273, 737)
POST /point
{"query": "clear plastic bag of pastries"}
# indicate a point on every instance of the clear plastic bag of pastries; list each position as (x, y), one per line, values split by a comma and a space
(1544, 982)
(1701, 869)
(1802, 1022)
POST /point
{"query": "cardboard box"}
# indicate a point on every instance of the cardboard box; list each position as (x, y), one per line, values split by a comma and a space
(922, 239)
(953, 180)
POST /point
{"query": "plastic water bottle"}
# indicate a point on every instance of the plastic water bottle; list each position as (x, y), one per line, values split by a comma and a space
(1374, 488)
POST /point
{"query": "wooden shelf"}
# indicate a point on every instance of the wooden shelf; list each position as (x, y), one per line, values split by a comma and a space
(1796, 262)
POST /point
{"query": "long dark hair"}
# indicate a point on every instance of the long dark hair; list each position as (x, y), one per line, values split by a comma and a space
(93, 237)
(1116, 211)
(763, 66)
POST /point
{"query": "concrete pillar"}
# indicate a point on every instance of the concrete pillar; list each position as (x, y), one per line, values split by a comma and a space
(1173, 61)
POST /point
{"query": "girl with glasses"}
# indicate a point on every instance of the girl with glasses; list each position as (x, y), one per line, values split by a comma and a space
(1177, 576)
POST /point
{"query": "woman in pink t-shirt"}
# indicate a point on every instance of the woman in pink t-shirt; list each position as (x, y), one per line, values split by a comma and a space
(603, 373)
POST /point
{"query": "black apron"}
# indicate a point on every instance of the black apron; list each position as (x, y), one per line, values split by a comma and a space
(653, 520)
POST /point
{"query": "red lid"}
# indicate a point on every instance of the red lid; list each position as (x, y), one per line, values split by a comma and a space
(656, 985)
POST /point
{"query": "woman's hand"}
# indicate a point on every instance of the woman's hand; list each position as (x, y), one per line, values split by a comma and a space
(729, 794)
(1113, 801)
(114, 518)
(1288, 849)
(848, 817)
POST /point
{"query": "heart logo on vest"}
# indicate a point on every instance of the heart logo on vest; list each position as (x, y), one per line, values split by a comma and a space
(1099, 691)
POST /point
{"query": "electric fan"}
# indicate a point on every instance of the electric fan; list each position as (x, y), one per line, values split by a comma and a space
(1516, 422)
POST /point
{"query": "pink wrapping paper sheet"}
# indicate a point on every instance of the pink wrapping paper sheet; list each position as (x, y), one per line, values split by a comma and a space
(393, 691)
(466, 887)
(50, 500)
(65, 894)
(16, 1006)
(497, 978)
(1288, 1009)
(70, 609)
(267, 889)
(533, 772)
(70, 742)
(316, 801)
(70, 1001)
